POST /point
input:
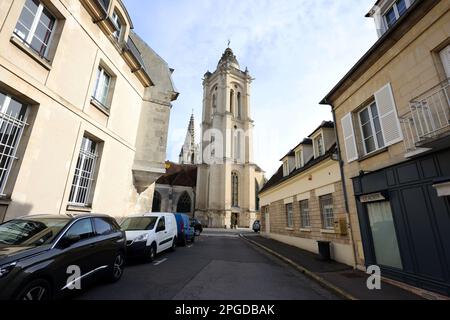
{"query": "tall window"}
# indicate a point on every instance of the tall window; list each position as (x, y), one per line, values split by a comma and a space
(239, 105)
(319, 145)
(36, 26)
(372, 134)
(231, 100)
(102, 87)
(326, 208)
(13, 116)
(118, 24)
(237, 145)
(81, 192)
(214, 102)
(304, 214)
(289, 217)
(234, 190)
(256, 195)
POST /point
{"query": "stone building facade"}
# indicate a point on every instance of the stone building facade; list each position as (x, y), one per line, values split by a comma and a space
(392, 114)
(303, 203)
(85, 105)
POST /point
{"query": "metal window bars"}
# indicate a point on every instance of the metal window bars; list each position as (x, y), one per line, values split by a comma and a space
(428, 117)
(304, 214)
(84, 174)
(326, 205)
(12, 123)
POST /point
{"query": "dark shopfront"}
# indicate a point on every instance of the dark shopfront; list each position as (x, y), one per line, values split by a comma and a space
(405, 225)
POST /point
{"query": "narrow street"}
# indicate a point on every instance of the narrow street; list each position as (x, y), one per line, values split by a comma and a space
(219, 265)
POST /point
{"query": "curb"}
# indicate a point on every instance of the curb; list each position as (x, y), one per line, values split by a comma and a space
(305, 271)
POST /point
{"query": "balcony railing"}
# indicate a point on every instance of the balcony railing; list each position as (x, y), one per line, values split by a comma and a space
(428, 118)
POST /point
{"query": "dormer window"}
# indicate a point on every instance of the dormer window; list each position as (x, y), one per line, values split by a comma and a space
(118, 24)
(397, 10)
(319, 149)
(299, 159)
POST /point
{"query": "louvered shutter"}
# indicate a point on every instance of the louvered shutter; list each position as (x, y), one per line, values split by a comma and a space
(349, 138)
(445, 57)
(387, 111)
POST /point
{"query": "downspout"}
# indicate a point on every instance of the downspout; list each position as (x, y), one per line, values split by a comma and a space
(344, 186)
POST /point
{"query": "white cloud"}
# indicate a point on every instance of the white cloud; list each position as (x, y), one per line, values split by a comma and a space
(296, 49)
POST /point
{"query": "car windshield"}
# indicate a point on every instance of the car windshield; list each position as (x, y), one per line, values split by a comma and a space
(139, 223)
(31, 231)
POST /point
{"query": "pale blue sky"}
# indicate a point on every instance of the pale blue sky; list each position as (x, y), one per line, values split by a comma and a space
(296, 49)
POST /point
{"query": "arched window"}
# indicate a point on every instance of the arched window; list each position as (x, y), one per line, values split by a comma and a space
(184, 203)
(156, 202)
(234, 190)
(231, 100)
(239, 105)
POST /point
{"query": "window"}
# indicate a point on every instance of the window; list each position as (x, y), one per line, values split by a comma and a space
(84, 174)
(289, 217)
(184, 204)
(36, 26)
(102, 87)
(304, 214)
(82, 228)
(239, 105)
(118, 24)
(299, 159)
(445, 59)
(214, 101)
(372, 135)
(231, 100)
(396, 11)
(161, 224)
(256, 196)
(13, 116)
(326, 207)
(213, 146)
(234, 190)
(102, 227)
(318, 144)
(237, 145)
(286, 168)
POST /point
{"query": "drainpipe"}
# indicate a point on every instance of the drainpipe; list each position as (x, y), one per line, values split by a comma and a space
(344, 186)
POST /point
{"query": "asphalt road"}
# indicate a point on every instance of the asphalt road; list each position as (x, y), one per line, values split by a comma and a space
(219, 266)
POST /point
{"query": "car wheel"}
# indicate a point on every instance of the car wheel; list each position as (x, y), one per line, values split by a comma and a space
(37, 290)
(116, 271)
(174, 245)
(197, 233)
(151, 254)
(193, 239)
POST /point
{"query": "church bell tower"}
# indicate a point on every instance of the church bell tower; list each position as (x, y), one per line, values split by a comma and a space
(228, 179)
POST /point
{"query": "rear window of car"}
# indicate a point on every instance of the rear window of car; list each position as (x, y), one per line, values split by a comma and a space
(139, 223)
(31, 232)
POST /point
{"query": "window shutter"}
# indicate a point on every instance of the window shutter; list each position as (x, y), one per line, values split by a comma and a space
(387, 111)
(445, 57)
(349, 138)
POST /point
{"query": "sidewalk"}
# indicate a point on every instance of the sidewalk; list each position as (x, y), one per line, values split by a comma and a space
(349, 283)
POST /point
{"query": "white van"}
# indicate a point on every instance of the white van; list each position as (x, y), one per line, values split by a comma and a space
(150, 234)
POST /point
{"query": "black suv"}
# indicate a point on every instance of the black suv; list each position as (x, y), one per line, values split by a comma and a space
(42, 257)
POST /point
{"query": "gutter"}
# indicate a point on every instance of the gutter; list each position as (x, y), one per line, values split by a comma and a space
(344, 186)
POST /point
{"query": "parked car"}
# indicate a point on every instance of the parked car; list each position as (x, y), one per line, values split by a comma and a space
(185, 231)
(150, 234)
(198, 227)
(257, 226)
(39, 253)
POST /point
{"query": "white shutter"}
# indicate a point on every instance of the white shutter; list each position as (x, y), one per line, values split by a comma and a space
(445, 57)
(387, 111)
(349, 138)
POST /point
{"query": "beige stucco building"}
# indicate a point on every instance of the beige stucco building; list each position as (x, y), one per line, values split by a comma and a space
(85, 106)
(303, 203)
(393, 117)
(228, 179)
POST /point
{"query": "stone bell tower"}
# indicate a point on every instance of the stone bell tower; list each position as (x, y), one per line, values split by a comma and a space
(228, 179)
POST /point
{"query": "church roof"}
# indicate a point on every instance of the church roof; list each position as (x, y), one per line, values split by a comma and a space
(184, 175)
(228, 58)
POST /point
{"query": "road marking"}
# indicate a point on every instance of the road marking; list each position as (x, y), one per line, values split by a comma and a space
(157, 263)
